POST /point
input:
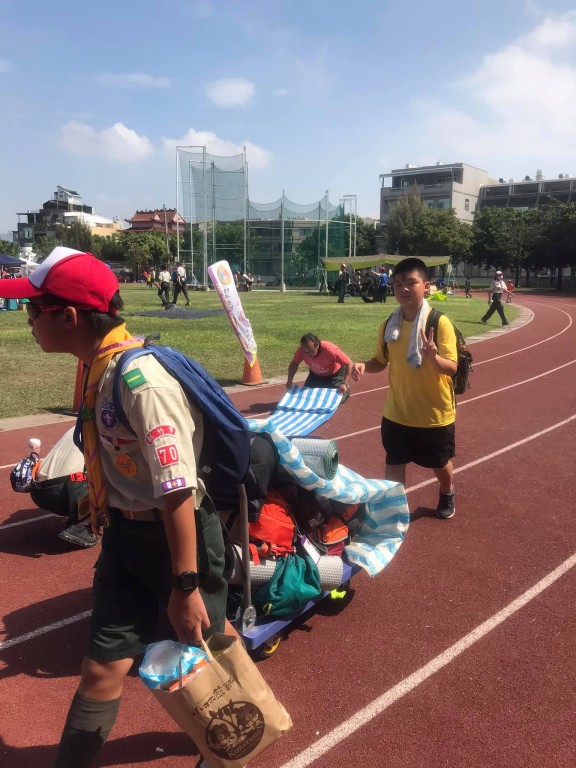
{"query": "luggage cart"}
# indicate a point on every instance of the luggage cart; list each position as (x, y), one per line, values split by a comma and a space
(262, 637)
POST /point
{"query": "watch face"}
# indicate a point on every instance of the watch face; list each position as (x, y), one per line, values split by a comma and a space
(187, 581)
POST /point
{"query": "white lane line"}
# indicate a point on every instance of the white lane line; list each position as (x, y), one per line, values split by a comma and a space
(408, 684)
(472, 399)
(25, 522)
(476, 462)
(499, 452)
(43, 630)
(9, 466)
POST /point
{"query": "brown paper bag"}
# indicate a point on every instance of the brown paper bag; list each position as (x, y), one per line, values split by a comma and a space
(227, 708)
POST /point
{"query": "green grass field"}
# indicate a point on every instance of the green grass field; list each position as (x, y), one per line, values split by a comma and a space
(34, 382)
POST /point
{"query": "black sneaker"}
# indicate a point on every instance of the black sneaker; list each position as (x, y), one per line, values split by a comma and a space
(445, 509)
(79, 536)
(483, 321)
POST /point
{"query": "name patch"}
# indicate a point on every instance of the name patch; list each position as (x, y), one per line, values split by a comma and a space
(160, 431)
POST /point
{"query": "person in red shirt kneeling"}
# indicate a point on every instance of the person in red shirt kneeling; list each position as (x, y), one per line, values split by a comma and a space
(329, 366)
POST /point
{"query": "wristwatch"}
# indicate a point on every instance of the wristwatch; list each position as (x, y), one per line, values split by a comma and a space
(187, 581)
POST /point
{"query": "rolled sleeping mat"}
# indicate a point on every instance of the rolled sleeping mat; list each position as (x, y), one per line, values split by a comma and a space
(330, 568)
(321, 456)
(259, 574)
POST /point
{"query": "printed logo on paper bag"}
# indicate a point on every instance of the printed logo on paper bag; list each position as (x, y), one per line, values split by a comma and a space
(235, 730)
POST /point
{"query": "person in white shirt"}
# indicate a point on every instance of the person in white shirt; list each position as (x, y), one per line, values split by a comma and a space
(497, 288)
(179, 284)
(164, 285)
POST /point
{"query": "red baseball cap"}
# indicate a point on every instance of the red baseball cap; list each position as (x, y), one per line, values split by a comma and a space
(79, 278)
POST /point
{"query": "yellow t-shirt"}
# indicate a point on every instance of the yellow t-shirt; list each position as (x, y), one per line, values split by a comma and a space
(418, 397)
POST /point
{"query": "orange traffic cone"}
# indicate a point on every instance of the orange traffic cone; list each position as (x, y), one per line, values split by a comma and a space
(252, 376)
(78, 388)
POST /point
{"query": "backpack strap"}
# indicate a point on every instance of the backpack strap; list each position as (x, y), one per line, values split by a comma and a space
(121, 365)
(432, 322)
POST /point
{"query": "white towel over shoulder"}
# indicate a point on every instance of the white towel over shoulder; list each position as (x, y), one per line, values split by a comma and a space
(414, 356)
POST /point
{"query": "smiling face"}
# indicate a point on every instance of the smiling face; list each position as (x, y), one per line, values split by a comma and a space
(409, 290)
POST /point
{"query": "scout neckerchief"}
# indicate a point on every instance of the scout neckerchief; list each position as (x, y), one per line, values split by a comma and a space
(117, 340)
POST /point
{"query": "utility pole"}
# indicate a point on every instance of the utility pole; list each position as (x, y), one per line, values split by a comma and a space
(166, 233)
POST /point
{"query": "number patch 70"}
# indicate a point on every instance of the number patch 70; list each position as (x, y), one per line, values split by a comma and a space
(167, 455)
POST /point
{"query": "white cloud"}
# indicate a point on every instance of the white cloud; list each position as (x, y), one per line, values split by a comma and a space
(132, 80)
(257, 156)
(279, 93)
(5, 66)
(117, 143)
(557, 32)
(521, 109)
(231, 92)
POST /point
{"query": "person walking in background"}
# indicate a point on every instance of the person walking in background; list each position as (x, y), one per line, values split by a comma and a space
(162, 544)
(418, 424)
(497, 288)
(510, 291)
(179, 284)
(382, 276)
(342, 283)
(329, 366)
(467, 288)
(164, 284)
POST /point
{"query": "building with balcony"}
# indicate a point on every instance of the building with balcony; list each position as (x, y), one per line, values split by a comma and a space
(44, 222)
(528, 192)
(443, 185)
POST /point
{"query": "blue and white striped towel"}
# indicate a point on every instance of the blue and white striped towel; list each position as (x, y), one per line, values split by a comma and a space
(304, 409)
(387, 515)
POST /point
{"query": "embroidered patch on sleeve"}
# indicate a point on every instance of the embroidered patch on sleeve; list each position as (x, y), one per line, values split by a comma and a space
(172, 485)
(167, 455)
(160, 431)
(134, 378)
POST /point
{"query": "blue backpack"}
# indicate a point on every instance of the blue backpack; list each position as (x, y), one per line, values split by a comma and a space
(224, 460)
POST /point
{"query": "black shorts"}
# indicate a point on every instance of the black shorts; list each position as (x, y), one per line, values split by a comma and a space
(334, 381)
(132, 585)
(432, 447)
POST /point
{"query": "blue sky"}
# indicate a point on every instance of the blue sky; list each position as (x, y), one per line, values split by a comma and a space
(325, 95)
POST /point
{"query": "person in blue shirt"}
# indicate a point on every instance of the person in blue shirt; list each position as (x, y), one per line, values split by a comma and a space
(382, 276)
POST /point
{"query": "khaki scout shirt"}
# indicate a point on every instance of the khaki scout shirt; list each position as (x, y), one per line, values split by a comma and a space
(141, 470)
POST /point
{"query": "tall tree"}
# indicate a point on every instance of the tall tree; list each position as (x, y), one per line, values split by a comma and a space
(75, 235)
(505, 237)
(557, 248)
(8, 248)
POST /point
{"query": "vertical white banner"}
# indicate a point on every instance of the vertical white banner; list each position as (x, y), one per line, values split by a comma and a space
(223, 281)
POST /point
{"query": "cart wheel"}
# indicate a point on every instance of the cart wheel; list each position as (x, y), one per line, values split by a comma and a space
(269, 647)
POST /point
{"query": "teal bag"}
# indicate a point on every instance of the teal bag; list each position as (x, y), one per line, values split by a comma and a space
(296, 580)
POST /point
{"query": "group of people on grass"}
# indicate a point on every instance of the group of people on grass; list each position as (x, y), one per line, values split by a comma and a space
(161, 540)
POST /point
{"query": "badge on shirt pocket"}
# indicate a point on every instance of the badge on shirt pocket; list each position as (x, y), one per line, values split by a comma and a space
(125, 464)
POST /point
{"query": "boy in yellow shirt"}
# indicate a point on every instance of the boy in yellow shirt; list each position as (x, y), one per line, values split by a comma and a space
(418, 424)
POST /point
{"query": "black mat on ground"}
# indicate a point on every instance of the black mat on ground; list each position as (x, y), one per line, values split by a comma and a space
(173, 312)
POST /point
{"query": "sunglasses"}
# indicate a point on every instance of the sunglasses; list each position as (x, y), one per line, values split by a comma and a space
(34, 309)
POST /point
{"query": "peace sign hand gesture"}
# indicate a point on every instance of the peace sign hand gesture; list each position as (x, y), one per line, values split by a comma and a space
(429, 349)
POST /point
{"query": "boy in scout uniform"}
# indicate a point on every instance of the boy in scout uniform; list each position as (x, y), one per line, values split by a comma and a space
(162, 543)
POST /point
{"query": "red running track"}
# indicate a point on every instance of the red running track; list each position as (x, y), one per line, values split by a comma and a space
(460, 653)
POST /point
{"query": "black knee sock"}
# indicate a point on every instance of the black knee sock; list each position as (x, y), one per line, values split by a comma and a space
(87, 727)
